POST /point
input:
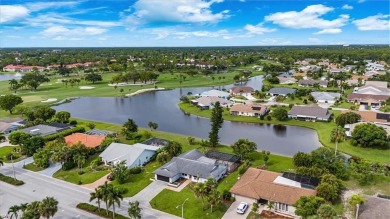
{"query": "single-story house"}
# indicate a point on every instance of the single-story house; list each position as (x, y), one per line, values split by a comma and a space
(61, 125)
(100, 132)
(134, 155)
(156, 142)
(90, 141)
(311, 82)
(312, 113)
(371, 116)
(287, 80)
(215, 93)
(10, 125)
(241, 90)
(209, 102)
(192, 165)
(43, 130)
(281, 91)
(231, 161)
(350, 127)
(354, 82)
(367, 99)
(373, 88)
(326, 97)
(263, 186)
(374, 207)
(248, 110)
(303, 75)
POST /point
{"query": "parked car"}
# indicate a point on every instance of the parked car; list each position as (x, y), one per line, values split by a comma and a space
(242, 208)
(110, 177)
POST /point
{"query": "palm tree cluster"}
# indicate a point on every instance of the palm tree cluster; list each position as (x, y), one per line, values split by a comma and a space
(109, 194)
(46, 208)
(208, 190)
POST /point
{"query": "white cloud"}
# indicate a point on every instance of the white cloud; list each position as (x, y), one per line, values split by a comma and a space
(258, 29)
(62, 38)
(329, 31)
(55, 19)
(12, 12)
(376, 22)
(60, 31)
(175, 11)
(310, 17)
(274, 41)
(162, 33)
(347, 7)
(37, 6)
(314, 40)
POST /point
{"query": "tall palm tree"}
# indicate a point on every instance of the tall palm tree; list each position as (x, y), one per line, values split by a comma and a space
(200, 191)
(214, 198)
(338, 134)
(134, 210)
(48, 207)
(115, 196)
(98, 195)
(105, 190)
(80, 160)
(13, 211)
(23, 207)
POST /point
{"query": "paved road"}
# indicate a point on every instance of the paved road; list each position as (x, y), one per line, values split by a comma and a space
(38, 186)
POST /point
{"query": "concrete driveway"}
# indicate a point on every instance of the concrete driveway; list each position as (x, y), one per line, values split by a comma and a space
(231, 212)
(149, 192)
(54, 167)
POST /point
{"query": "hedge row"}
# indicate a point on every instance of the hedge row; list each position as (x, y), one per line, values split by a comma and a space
(11, 180)
(94, 210)
(63, 133)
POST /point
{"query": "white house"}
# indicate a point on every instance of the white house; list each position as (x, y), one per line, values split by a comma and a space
(326, 97)
(134, 155)
(215, 93)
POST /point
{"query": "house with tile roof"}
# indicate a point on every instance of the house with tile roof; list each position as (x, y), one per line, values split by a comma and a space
(192, 165)
(215, 93)
(241, 90)
(325, 97)
(309, 113)
(262, 186)
(90, 141)
(248, 110)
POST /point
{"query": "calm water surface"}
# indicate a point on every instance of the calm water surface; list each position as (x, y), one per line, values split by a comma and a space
(161, 107)
(6, 77)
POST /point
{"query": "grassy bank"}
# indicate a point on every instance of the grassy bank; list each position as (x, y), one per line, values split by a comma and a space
(323, 130)
(33, 167)
(6, 150)
(10, 180)
(95, 210)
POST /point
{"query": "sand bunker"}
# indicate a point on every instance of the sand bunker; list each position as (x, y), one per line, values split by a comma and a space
(49, 100)
(86, 87)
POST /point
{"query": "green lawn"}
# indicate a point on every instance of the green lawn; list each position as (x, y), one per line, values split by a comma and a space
(9, 149)
(89, 176)
(168, 200)
(138, 182)
(323, 130)
(33, 167)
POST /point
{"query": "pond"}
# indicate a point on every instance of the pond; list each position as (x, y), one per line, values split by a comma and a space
(161, 107)
(6, 77)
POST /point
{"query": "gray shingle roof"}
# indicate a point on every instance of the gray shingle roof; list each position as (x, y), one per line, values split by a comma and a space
(310, 111)
(99, 132)
(328, 96)
(193, 163)
(282, 90)
(41, 130)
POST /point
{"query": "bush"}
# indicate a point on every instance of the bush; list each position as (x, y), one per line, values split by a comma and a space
(269, 118)
(94, 210)
(136, 170)
(63, 133)
(68, 165)
(232, 199)
(73, 122)
(11, 180)
(226, 195)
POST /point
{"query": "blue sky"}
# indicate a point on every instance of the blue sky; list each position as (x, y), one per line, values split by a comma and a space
(139, 23)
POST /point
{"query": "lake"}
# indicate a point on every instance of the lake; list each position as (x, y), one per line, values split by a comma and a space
(6, 77)
(161, 107)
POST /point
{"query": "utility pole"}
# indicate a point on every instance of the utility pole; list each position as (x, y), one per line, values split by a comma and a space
(182, 208)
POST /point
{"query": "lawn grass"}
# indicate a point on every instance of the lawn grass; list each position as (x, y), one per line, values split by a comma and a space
(168, 200)
(102, 213)
(17, 156)
(380, 185)
(138, 182)
(33, 167)
(323, 131)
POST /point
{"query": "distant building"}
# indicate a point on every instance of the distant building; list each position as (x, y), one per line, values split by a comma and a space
(215, 93)
(242, 91)
(281, 91)
(205, 103)
(310, 113)
(248, 110)
(326, 97)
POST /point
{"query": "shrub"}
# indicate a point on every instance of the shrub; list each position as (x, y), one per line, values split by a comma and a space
(94, 210)
(73, 122)
(226, 195)
(269, 118)
(63, 133)
(68, 165)
(135, 170)
(11, 180)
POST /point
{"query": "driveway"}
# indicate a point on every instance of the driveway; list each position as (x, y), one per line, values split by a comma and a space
(54, 167)
(231, 212)
(6, 143)
(149, 192)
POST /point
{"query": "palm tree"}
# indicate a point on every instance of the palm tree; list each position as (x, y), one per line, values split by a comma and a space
(80, 160)
(134, 210)
(13, 211)
(105, 189)
(214, 198)
(98, 195)
(48, 207)
(23, 207)
(1, 162)
(200, 191)
(338, 134)
(114, 196)
(270, 205)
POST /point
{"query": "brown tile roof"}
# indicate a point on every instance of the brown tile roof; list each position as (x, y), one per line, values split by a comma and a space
(90, 141)
(297, 74)
(244, 89)
(313, 110)
(206, 101)
(248, 108)
(257, 183)
(360, 76)
(370, 116)
(362, 97)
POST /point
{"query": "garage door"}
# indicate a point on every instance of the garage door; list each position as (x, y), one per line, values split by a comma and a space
(163, 178)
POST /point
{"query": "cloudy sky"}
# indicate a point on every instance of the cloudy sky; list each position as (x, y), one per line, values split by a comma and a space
(138, 23)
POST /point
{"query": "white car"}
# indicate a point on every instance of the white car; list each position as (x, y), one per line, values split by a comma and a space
(242, 208)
